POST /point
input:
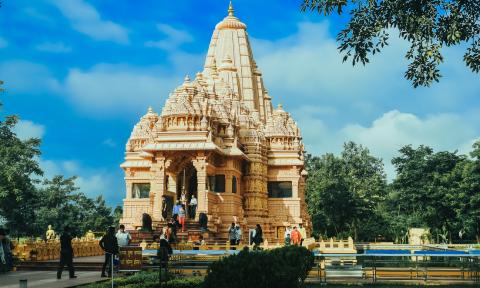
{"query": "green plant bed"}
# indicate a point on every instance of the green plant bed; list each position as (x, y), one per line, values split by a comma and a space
(387, 286)
(148, 280)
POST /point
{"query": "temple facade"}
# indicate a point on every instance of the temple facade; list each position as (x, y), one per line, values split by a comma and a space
(219, 138)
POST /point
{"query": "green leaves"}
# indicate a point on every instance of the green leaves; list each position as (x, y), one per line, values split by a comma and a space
(285, 267)
(18, 166)
(427, 25)
(433, 190)
(347, 195)
(61, 204)
(30, 207)
(343, 192)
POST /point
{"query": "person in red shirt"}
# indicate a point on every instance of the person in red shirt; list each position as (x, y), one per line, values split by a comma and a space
(296, 237)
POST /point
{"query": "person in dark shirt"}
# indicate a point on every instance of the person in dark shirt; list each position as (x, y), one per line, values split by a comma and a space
(258, 238)
(164, 251)
(109, 244)
(66, 254)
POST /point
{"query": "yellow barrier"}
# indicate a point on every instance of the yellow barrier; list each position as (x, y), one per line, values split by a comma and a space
(42, 251)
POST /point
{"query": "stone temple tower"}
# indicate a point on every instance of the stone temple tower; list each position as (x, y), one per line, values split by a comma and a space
(219, 138)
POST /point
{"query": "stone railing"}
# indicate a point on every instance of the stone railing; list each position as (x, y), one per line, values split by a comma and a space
(50, 250)
(340, 246)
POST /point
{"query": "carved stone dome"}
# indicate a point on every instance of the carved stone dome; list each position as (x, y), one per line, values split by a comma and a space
(231, 22)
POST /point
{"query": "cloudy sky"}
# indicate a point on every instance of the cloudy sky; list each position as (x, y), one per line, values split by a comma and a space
(80, 73)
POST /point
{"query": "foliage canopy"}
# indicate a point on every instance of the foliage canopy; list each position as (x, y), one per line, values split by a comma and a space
(428, 25)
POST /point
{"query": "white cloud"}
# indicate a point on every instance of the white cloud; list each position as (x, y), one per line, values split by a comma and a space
(26, 129)
(114, 89)
(104, 90)
(91, 181)
(174, 38)
(21, 76)
(3, 43)
(389, 132)
(307, 66)
(53, 47)
(86, 19)
(110, 143)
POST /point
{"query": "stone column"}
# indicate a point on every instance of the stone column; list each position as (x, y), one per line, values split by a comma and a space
(157, 186)
(228, 182)
(200, 164)
(128, 186)
(255, 193)
(295, 188)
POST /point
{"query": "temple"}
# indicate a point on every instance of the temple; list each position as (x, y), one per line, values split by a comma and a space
(219, 138)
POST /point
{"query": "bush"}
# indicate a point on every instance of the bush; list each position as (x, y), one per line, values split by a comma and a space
(285, 267)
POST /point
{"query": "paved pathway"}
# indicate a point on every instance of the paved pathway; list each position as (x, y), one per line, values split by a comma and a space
(47, 279)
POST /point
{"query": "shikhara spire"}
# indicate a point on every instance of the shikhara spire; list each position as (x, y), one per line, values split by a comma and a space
(230, 9)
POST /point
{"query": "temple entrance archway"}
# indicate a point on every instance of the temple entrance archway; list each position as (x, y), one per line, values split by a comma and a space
(187, 182)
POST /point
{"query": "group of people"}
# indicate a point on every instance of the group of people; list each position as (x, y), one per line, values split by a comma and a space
(294, 236)
(235, 234)
(110, 243)
(180, 210)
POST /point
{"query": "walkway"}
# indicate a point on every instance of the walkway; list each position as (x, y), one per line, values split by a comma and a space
(47, 279)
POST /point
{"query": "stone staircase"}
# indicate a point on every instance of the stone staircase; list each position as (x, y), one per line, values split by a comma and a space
(192, 233)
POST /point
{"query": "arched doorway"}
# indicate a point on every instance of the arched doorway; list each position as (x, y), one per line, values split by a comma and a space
(187, 186)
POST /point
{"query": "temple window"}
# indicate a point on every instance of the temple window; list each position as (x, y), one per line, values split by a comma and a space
(140, 190)
(279, 189)
(234, 184)
(216, 183)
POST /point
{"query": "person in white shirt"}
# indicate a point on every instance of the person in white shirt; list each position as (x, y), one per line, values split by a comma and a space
(123, 237)
(193, 207)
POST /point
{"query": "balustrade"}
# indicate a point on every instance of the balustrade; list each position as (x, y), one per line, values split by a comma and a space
(29, 250)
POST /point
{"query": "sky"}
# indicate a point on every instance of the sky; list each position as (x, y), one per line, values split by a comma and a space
(80, 74)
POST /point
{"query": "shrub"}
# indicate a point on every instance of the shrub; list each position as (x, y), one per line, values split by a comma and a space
(285, 267)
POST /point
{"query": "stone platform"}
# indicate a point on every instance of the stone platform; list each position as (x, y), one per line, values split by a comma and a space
(47, 279)
(93, 263)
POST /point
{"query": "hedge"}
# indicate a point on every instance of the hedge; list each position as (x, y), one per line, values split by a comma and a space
(285, 267)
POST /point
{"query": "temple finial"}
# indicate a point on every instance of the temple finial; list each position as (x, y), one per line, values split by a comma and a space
(230, 9)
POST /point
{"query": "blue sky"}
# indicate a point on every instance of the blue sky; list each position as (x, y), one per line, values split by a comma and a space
(80, 73)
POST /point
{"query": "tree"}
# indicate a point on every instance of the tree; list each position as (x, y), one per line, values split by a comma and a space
(62, 204)
(18, 165)
(426, 189)
(117, 215)
(344, 193)
(56, 204)
(28, 206)
(328, 198)
(428, 25)
(468, 208)
(96, 215)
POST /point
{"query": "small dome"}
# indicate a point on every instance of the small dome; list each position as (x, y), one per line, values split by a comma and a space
(231, 22)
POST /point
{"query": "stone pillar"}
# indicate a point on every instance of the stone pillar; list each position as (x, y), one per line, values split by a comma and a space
(295, 188)
(200, 164)
(255, 189)
(128, 186)
(228, 182)
(157, 186)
